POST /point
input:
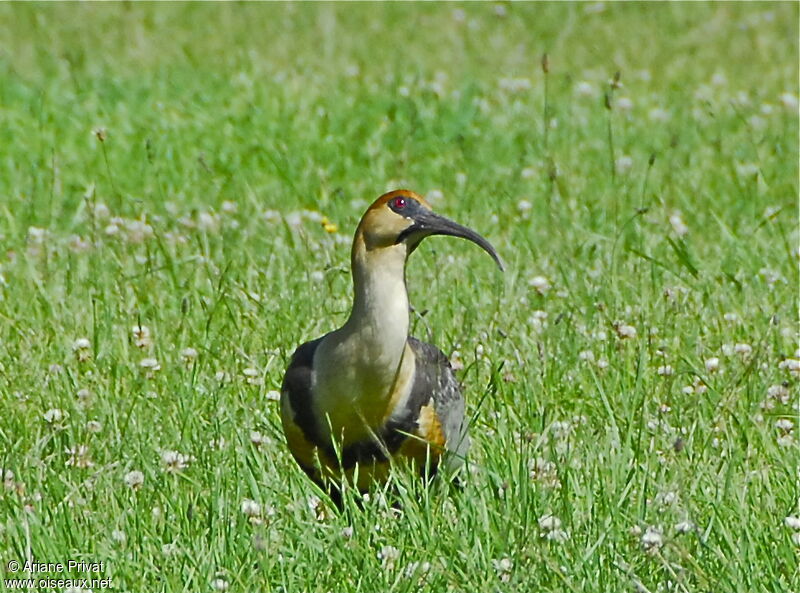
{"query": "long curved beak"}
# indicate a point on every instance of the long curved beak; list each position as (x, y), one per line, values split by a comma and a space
(427, 223)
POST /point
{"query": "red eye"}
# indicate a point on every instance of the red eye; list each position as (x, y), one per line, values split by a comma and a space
(398, 203)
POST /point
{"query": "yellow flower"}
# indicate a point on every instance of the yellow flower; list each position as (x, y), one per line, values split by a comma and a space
(329, 226)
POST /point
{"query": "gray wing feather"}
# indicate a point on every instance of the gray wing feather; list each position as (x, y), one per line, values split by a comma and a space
(435, 379)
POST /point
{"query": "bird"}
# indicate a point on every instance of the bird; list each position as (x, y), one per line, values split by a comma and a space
(368, 395)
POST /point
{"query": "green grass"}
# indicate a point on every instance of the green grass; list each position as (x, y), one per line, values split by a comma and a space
(216, 114)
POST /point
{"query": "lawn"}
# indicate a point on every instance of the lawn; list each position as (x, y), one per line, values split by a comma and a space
(179, 184)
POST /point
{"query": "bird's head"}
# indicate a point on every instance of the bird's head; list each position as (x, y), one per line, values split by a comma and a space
(402, 219)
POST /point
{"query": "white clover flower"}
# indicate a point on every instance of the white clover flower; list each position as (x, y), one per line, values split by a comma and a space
(659, 115)
(652, 538)
(7, 477)
(586, 355)
(138, 231)
(188, 355)
(388, 555)
(784, 425)
(219, 584)
(557, 535)
(624, 103)
(540, 284)
(585, 89)
(539, 314)
(434, 195)
(623, 164)
(294, 219)
(347, 532)
(790, 364)
(100, 209)
(779, 393)
(684, 526)
(217, 444)
(94, 426)
(169, 549)
(258, 439)
(150, 365)
(119, 536)
(455, 361)
(314, 504)
(789, 101)
(743, 349)
(503, 568)
(78, 244)
(271, 215)
(712, 364)
(37, 235)
(54, 415)
(250, 508)
(208, 221)
(538, 321)
(141, 336)
(678, 225)
(524, 206)
(81, 344)
(719, 79)
(79, 457)
(665, 499)
(544, 472)
(549, 522)
(274, 395)
(792, 522)
(134, 479)
(624, 331)
(253, 376)
(515, 85)
(174, 462)
(82, 349)
(665, 370)
(747, 169)
(561, 429)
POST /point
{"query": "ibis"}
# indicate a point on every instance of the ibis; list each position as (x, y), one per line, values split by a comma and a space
(368, 395)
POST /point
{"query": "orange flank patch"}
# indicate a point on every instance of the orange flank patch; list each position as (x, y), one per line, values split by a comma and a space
(430, 428)
(429, 442)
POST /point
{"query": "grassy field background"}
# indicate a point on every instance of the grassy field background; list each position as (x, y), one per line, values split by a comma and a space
(633, 375)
